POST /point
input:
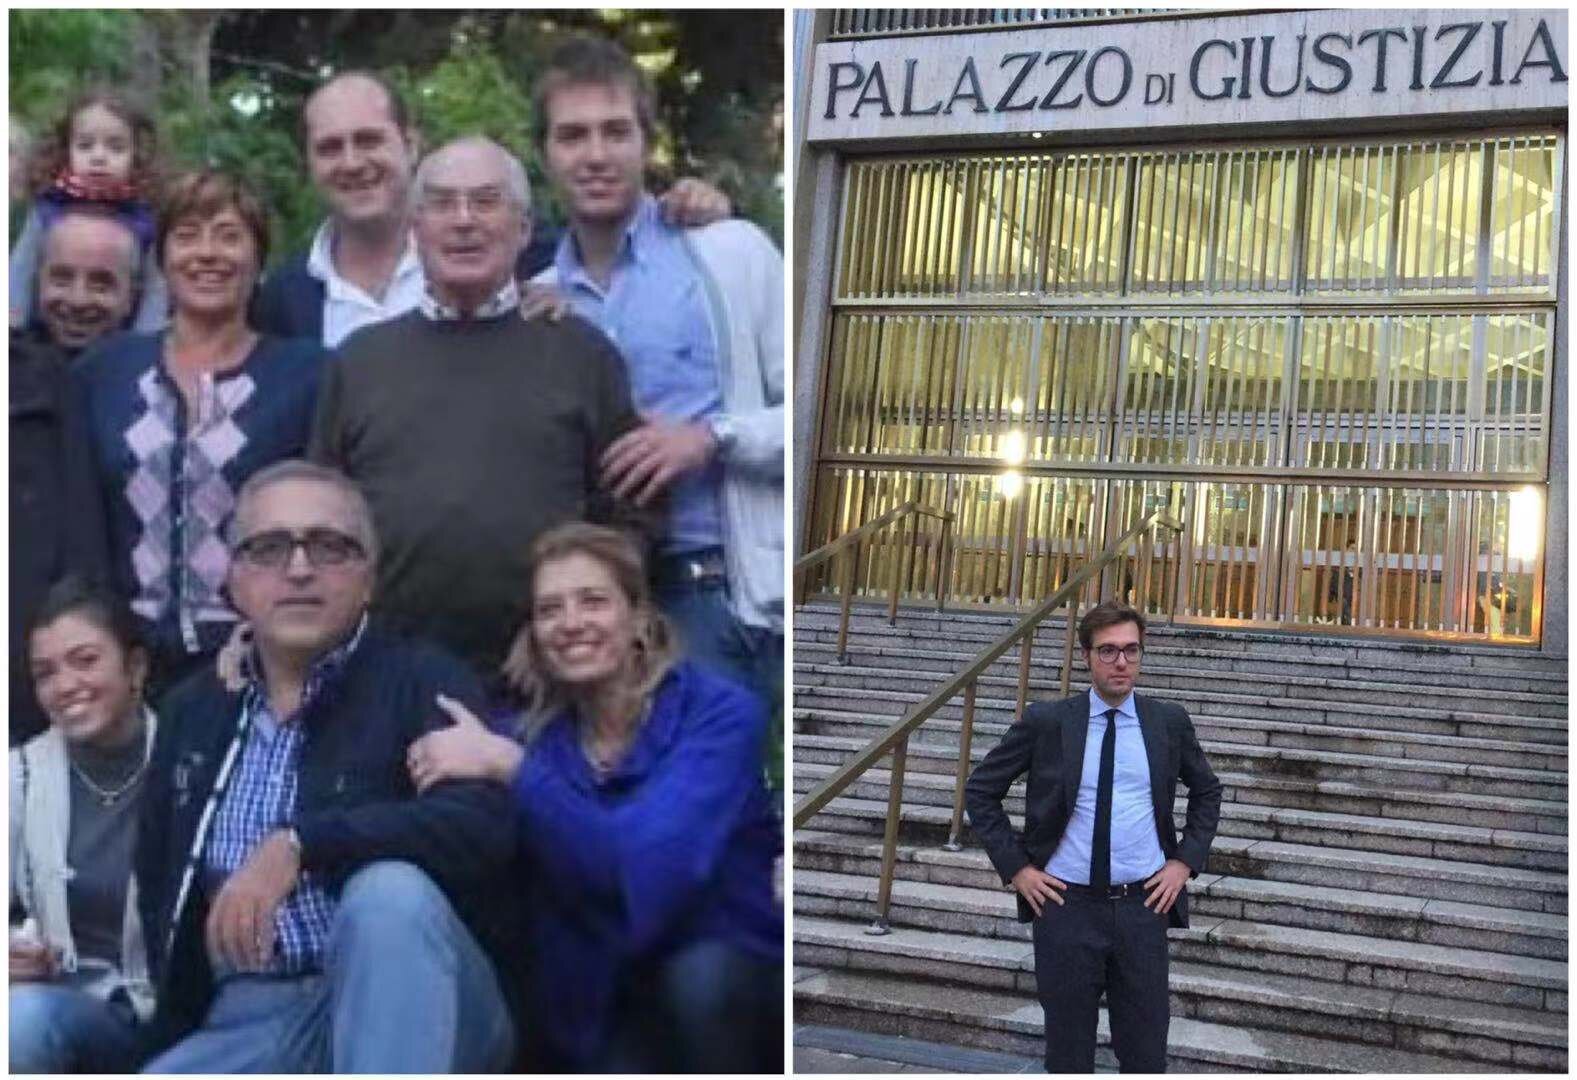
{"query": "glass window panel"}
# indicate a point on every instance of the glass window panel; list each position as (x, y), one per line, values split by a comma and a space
(996, 375)
(1403, 392)
(847, 498)
(1078, 360)
(1226, 525)
(1204, 390)
(1516, 356)
(1522, 222)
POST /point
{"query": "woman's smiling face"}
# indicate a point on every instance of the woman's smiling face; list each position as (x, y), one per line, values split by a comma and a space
(583, 622)
(86, 683)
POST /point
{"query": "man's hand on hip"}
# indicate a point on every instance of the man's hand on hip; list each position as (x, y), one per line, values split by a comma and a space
(1036, 887)
(1166, 884)
(640, 464)
(241, 920)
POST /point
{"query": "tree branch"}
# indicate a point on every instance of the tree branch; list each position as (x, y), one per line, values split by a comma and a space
(309, 77)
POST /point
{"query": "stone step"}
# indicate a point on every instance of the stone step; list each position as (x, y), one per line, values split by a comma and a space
(996, 700)
(994, 706)
(822, 1049)
(1528, 990)
(1176, 654)
(992, 912)
(1163, 674)
(1534, 851)
(841, 841)
(1013, 1023)
(1377, 1015)
(1277, 762)
(1548, 817)
(962, 626)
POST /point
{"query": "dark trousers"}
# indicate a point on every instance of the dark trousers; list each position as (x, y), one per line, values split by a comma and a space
(707, 1008)
(1091, 945)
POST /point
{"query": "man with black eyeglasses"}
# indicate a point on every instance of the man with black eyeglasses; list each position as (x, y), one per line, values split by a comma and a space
(1100, 868)
(304, 908)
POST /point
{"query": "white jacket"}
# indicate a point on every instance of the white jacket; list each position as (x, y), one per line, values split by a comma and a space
(742, 275)
(40, 829)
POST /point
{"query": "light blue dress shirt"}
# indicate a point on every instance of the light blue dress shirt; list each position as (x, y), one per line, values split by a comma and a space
(655, 311)
(1136, 850)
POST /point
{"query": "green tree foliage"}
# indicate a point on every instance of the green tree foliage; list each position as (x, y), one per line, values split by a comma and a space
(51, 51)
(227, 86)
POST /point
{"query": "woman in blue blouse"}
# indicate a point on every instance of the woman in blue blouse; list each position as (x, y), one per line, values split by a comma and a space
(181, 418)
(650, 838)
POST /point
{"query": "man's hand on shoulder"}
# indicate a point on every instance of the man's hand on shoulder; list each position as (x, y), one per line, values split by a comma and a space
(1036, 887)
(642, 463)
(691, 203)
(1165, 885)
(241, 920)
(543, 300)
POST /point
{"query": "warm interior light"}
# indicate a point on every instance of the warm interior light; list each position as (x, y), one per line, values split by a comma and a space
(1016, 406)
(1010, 484)
(1012, 448)
(1527, 524)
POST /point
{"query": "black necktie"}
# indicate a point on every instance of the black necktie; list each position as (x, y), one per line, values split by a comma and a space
(1101, 842)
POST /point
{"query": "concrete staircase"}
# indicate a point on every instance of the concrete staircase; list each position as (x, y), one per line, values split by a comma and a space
(1386, 892)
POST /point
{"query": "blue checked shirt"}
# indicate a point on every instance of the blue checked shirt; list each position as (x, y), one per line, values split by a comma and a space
(262, 798)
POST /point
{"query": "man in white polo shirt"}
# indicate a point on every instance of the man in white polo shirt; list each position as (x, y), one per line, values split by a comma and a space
(361, 148)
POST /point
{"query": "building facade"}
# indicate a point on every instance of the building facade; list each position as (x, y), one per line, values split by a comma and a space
(1300, 276)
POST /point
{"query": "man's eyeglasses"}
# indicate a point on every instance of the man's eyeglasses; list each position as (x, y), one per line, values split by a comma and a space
(446, 202)
(273, 550)
(1109, 653)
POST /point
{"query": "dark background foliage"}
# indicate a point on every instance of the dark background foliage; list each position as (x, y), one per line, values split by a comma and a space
(227, 86)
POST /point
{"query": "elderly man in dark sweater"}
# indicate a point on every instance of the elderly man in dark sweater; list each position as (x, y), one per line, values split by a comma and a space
(469, 429)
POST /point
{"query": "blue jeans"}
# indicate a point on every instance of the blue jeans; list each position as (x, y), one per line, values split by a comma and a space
(59, 1029)
(715, 639)
(706, 1008)
(406, 989)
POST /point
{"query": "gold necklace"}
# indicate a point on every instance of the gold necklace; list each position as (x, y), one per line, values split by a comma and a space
(109, 796)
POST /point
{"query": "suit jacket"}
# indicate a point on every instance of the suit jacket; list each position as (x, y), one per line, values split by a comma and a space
(1048, 744)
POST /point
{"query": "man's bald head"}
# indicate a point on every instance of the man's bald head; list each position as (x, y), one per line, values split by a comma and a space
(359, 146)
(87, 278)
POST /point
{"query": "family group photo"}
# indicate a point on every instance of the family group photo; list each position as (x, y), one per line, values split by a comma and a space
(397, 610)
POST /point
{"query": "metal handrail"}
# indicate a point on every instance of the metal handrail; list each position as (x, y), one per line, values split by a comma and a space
(850, 543)
(896, 738)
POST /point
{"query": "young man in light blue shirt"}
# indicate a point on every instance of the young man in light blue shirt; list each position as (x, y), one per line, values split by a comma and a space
(698, 317)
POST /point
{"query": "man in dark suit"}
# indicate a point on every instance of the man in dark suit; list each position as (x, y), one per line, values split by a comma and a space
(1099, 867)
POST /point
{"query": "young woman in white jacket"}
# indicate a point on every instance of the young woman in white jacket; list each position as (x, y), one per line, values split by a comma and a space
(79, 982)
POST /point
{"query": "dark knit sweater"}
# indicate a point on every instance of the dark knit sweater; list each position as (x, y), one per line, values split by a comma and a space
(470, 438)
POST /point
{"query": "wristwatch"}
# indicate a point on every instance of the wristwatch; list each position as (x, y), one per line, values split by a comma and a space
(725, 432)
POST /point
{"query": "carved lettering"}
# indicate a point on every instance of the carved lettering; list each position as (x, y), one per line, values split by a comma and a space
(1228, 83)
(1419, 34)
(908, 93)
(1333, 60)
(1381, 37)
(1499, 51)
(1089, 76)
(1030, 60)
(876, 80)
(1050, 100)
(1541, 35)
(969, 73)
(837, 87)
(1267, 42)
(1440, 81)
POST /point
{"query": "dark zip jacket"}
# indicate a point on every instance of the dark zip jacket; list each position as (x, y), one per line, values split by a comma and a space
(355, 805)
